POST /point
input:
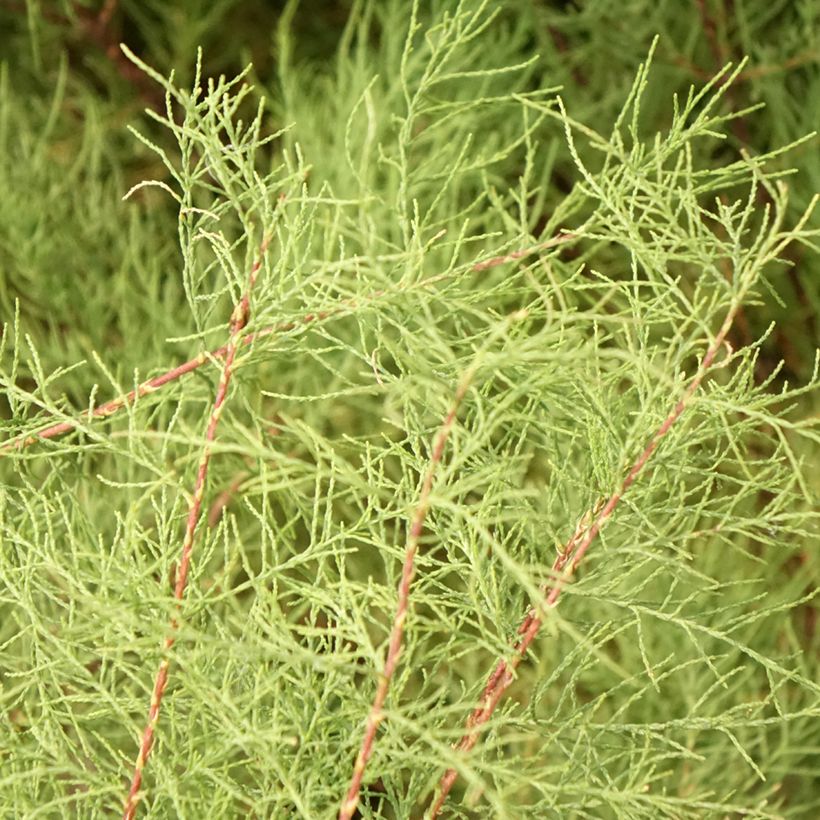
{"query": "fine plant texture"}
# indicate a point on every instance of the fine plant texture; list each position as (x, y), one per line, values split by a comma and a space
(416, 422)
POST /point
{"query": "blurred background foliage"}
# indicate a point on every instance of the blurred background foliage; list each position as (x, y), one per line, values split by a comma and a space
(68, 92)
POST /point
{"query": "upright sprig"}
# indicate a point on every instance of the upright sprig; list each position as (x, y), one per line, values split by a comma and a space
(572, 554)
(239, 319)
(751, 246)
(220, 186)
(215, 172)
(415, 531)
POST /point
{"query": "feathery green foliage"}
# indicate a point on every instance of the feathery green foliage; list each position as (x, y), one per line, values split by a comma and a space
(439, 214)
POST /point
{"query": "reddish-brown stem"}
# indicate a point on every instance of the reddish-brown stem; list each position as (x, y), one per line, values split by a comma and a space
(564, 236)
(239, 319)
(376, 715)
(223, 499)
(563, 569)
(711, 30)
(106, 13)
(111, 407)
(155, 383)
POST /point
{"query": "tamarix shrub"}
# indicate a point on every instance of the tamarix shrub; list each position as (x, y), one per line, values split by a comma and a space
(435, 472)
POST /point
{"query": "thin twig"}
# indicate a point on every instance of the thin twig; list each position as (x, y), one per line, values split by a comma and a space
(155, 383)
(564, 568)
(394, 650)
(376, 714)
(224, 498)
(564, 236)
(239, 319)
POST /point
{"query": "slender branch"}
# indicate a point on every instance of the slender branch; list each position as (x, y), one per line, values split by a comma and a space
(564, 236)
(149, 386)
(376, 715)
(155, 383)
(564, 568)
(239, 319)
(224, 498)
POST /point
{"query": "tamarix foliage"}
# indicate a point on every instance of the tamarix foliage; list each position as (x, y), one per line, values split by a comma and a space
(414, 482)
